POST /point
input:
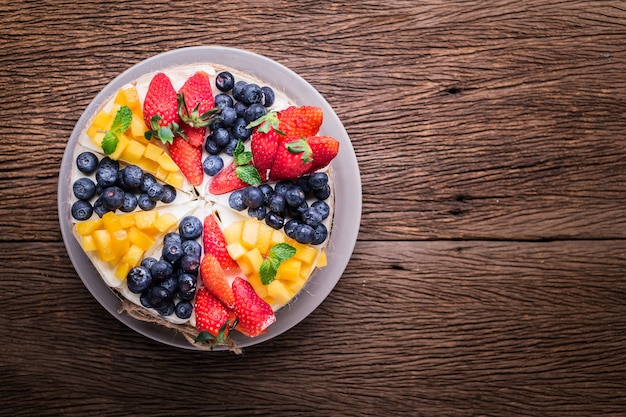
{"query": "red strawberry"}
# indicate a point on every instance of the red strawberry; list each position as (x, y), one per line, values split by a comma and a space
(215, 244)
(215, 280)
(188, 158)
(264, 146)
(324, 149)
(227, 180)
(253, 313)
(196, 100)
(160, 108)
(195, 135)
(300, 121)
(211, 314)
(293, 159)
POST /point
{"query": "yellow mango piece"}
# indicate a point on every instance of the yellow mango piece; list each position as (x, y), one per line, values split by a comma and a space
(165, 222)
(133, 152)
(160, 173)
(133, 256)
(132, 100)
(93, 131)
(102, 120)
(289, 270)
(148, 165)
(87, 227)
(137, 127)
(277, 237)
(127, 220)
(104, 244)
(88, 243)
(279, 292)
(322, 260)
(153, 152)
(122, 143)
(258, 286)
(264, 239)
(167, 163)
(232, 233)
(175, 179)
(121, 272)
(96, 139)
(141, 239)
(254, 258)
(250, 233)
(120, 243)
(111, 222)
(144, 220)
(305, 253)
(120, 98)
(295, 286)
(245, 266)
(236, 250)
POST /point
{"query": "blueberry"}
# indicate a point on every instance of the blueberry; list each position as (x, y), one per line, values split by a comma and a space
(148, 262)
(277, 203)
(161, 269)
(303, 182)
(229, 115)
(106, 176)
(322, 193)
(186, 286)
(119, 181)
(169, 194)
(321, 233)
(145, 203)
(170, 283)
(268, 96)
(132, 176)
(189, 228)
(290, 227)
(240, 108)
(282, 186)
(224, 81)
(274, 220)
(189, 264)
(98, 207)
(240, 129)
(318, 180)
(221, 137)
(167, 309)
(235, 200)
(172, 251)
(223, 100)
(82, 210)
(107, 162)
(144, 298)
(129, 203)
(253, 112)
(212, 164)
(87, 162)
(296, 212)
(155, 192)
(253, 197)
(192, 247)
(238, 90)
(146, 183)
(267, 191)
(112, 198)
(322, 208)
(84, 188)
(304, 233)
(158, 297)
(183, 309)
(138, 279)
(294, 196)
(230, 148)
(212, 147)
(251, 94)
(257, 213)
(172, 237)
(312, 217)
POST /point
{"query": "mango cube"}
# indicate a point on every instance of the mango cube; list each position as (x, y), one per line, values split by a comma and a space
(122, 144)
(264, 239)
(102, 120)
(139, 238)
(175, 179)
(258, 286)
(289, 270)
(167, 163)
(121, 272)
(88, 227)
(278, 292)
(88, 244)
(253, 258)
(322, 261)
(250, 233)
(236, 250)
(137, 127)
(164, 222)
(153, 152)
(133, 256)
(104, 244)
(144, 220)
(305, 253)
(232, 233)
(133, 152)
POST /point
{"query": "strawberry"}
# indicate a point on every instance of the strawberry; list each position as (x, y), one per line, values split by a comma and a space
(264, 146)
(215, 280)
(300, 121)
(211, 316)
(215, 244)
(293, 159)
(195, 135)
(188, 158)
(160, 109)
(237, 175)
(324, 149)
(253, 313)
(195, 100)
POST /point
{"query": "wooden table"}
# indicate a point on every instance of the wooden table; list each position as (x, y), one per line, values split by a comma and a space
(489, 273)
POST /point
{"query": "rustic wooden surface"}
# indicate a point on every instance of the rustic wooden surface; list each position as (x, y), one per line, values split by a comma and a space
(489, 273)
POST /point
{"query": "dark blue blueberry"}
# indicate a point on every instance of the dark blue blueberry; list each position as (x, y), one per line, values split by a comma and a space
(87, 162)
(282, 186)
(217, 124)
(296, 212)
(172, 252)
(230, 148)
(170, 283)
(224, 81)
(119, 181)
(240, 129)
(303, 182)
(132, 176)
(322, 193)
(277, 203)
(161, 269)
(84, 188)
(290, 227)
(169, 194)
(229, 115)
(221, 136)
(240, 108)
(158, 297)
(253, 197)
(318, 180)
(294, 196)
(144, 298)
(235, 200)
(112, 198)
(304, 233)
(145, 202)
(267, 191)
(130, 202)
(189, 228)
(138, 279)
(252, 94)
(311, 216)
(223, 100)
(212, 147)
(255, 111)
(258, 212)
(98, 207)
(238, 90)
(107, 162)
(148, 262)
(268, 96)
(167, 309)
(187, 286)
(155, 192)
(82, 210)
(183, 309)
(106, 176)
(146, 183)
(192, 247)
(322, 208)
(274, 220)
(172, 237)
(321, 233)
(189, 264)
(212, 164)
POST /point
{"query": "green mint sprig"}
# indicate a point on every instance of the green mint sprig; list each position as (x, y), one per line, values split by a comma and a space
(279, 253)
(121, 123)
(246, 172)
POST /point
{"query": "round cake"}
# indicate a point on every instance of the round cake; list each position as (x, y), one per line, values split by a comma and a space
(204, 199)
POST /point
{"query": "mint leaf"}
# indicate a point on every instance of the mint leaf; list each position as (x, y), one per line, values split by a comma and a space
(282, 251)
(109, 143)
(123, 119)
(267, 272)
(243, 158)
(248, 174)
(277, 255)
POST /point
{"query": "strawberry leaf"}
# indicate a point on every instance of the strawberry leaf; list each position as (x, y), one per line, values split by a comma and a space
(248, 174)
(109, 142)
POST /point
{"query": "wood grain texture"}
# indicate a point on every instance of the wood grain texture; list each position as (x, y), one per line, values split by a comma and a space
(488, 276)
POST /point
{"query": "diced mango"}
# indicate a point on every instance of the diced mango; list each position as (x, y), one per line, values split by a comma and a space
(88, 243)
(144, 220)
(295, 286)
(97, 137)
(277, 237)
(122, 144)
(102, 120)
(133, 152)
(289, 269)
(133, 255)
(257, 285)
(120, 243)
(141, 239)
(111, 222)
(153, 152)
(88, 227)
(305, 253)
(236, 250)
(120, 98)
(132, 100)
(175, 179)
(278, 292)
(92, 132)
(137, 127)
(264, 240)
(250, 233)
(165, 222)
(167, 163)
(103, 241)
(160, 173)
(254, 258)
(232, 233)
(127, 220)
(147, 165)
(122, 270)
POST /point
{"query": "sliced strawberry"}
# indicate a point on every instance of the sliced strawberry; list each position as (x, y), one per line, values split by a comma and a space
(196, 104)
(214, 279)
(215, 243)
(188, 158)
(160, 108)
(253, 313)
(228, 180)
(293, 159)
(195, 135)
(211, 315)
(324, 150)
(300, 121)
(264, 146)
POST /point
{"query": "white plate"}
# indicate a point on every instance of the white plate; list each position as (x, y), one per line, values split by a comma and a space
(347, 215)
